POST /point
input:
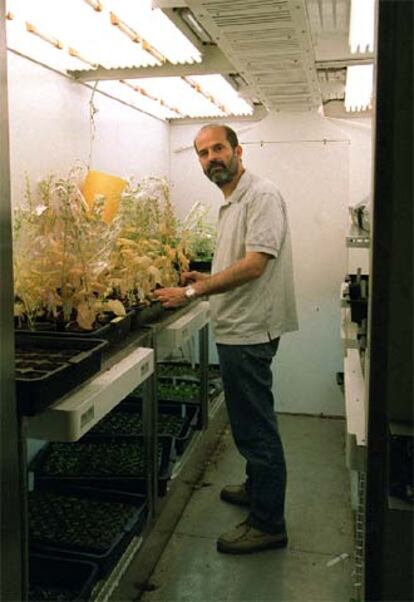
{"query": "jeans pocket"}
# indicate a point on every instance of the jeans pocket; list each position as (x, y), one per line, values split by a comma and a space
(261, 351)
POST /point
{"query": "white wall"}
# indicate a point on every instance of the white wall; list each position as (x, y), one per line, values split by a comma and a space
(320, 166)
(359, 133)
(50, 130)
(310, 159)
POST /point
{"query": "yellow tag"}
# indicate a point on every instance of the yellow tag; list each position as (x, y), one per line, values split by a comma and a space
(97, 182)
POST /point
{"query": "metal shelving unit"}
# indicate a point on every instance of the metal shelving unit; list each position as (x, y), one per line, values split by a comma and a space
(173, 331)
(124, 367)
(357, 238)
(356, 367)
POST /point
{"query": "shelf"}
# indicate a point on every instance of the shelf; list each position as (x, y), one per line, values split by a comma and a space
(178, 332)
(355, 411)
(349, 330)
(394, 503)
(181, 462)
(344, 295)
(357, 238)
(74, 414)
(403, 429)
(215, 405)
(104, 589)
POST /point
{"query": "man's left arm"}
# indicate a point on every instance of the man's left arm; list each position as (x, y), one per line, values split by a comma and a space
(250, 267)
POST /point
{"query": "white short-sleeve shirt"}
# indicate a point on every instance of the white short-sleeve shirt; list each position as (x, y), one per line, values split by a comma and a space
(254, 218)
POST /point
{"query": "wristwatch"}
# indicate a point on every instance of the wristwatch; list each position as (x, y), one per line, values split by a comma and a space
(190, 292)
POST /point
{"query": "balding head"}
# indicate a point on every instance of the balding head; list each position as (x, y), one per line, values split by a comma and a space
(230, 134)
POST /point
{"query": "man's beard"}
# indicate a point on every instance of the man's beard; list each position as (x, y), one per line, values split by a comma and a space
(224, 175)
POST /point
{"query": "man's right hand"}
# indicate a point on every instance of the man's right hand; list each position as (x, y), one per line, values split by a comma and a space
(189, 277)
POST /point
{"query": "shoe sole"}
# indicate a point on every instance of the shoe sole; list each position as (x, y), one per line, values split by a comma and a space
(226, 549)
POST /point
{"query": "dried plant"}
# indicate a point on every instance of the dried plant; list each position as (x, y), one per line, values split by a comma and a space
(71, 266)
(61, 254)
(149, 252)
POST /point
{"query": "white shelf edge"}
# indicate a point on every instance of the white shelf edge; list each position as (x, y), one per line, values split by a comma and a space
(355, 410)
(349, 329)
(106, 587)
(344, 302)
(181, 462)
(77, 412)
(357, 237)
(181, 330)
(216, 404)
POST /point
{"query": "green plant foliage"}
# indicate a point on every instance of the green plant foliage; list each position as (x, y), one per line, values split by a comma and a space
(200, 234)
(82, 522)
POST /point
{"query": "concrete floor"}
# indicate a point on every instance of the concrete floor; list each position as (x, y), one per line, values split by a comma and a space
(319, 520)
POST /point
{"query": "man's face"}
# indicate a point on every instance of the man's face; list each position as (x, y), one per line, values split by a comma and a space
(220, 162)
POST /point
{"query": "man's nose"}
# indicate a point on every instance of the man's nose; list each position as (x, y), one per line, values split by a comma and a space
(212, 154)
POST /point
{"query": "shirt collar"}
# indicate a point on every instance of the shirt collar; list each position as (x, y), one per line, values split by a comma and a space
(242, 185)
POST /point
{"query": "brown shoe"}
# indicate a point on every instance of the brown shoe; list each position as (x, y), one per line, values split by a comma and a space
(235, 494)
(245, 539)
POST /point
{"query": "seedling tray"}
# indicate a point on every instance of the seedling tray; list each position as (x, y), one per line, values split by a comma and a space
(187, 370)
(200, 265)
(146, 314)
(84, 524)
(174, 419)
(108, 462)
(182, 389)
(59, 579)
(112, 332)
(48, 367)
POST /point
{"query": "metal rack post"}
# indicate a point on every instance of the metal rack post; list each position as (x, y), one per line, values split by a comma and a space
(13, 573)
(203, 347)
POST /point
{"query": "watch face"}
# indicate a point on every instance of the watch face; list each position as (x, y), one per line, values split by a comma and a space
(189, 292)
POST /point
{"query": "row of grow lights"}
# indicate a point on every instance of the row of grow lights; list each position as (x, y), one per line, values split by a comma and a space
(70, 35)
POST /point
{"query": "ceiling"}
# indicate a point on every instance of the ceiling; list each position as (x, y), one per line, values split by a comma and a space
(281, 55)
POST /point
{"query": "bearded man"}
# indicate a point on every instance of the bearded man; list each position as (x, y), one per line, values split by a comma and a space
(252, 303)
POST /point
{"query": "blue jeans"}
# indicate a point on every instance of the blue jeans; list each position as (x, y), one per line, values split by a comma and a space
(247, 379)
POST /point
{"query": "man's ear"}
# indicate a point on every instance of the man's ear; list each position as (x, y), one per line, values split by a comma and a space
(239, 151)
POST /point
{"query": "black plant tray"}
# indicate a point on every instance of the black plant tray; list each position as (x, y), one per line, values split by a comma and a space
(180, 369)
(84, 523)
(59, 579)
(200, 265)
(174, 419)
(107, 462)
(48, 367)
(181, 389)
(112, 332)
(145, 314)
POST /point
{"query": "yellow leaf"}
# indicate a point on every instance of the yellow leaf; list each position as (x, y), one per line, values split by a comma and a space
(85, 316)
(115, 306)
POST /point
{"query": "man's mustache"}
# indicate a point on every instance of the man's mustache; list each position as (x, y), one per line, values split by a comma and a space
(214, 164)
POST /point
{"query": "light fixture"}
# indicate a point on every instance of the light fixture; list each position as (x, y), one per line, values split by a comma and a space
(144, 92)
(196, 27)
(358, 89)
(361, 27)
(137, 39)
(174, 98)
(71, 35)
(85, 25)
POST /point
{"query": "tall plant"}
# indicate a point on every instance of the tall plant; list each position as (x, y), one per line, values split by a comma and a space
(149, 252)
(61, 253)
